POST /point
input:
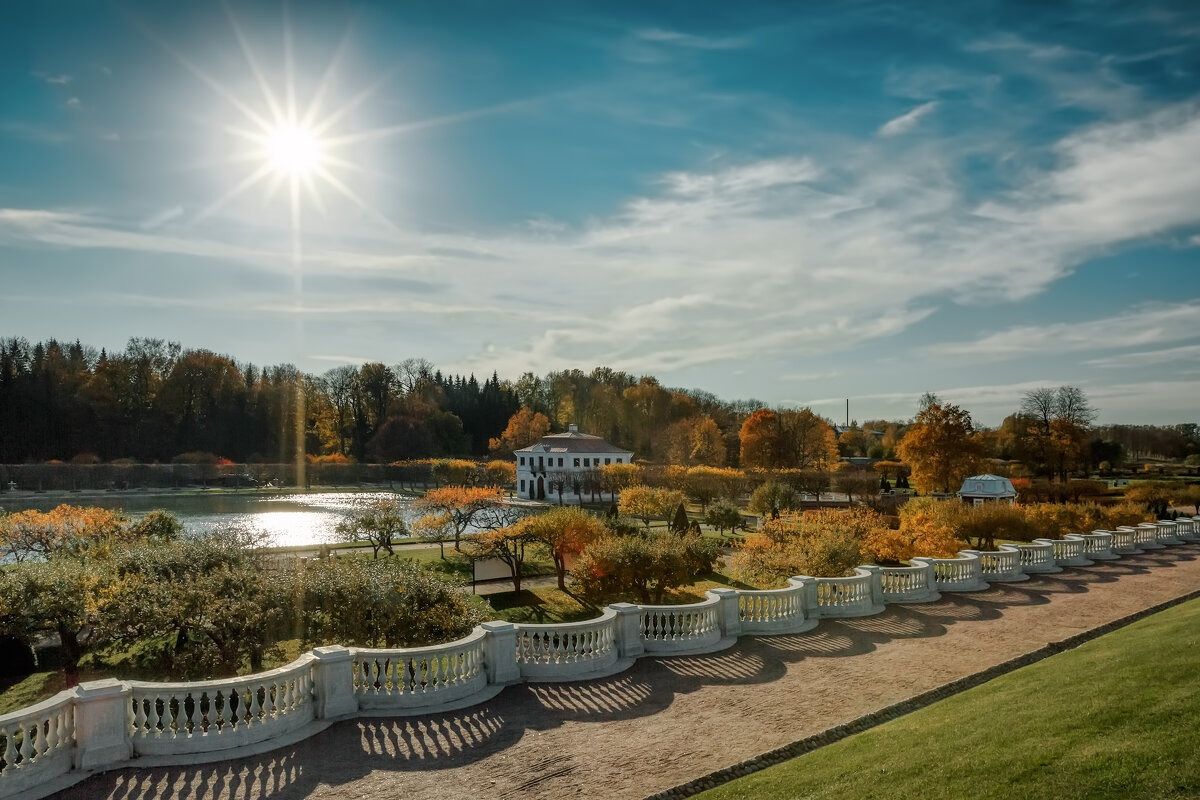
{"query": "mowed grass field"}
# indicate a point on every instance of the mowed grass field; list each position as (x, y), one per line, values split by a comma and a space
(1118, 717)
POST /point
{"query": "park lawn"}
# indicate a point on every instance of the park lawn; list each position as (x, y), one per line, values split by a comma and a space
(1118, 717)
(541, 604)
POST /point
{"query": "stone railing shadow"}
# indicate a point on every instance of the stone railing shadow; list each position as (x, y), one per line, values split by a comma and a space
(434, 707)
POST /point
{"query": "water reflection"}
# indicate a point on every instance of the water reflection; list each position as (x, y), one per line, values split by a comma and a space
(286, 519)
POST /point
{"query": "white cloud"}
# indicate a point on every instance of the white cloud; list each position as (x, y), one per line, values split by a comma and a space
(1139, 327)
(1189, 353)
(60, 79)
(907, 121)
(781, 258)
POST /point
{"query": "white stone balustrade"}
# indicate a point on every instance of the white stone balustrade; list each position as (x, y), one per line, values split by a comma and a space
(197, 717)
(1124, 541)
(1147, 536)
(1067, 552)
(1097, 545)
(694, 628)
(775, 610)
(913, 584)
(103, 724)
(961, 574)
(1167, 532)
(37, 743)
(419, 677)
(569, 650)
(1000, 566)
(859, 595)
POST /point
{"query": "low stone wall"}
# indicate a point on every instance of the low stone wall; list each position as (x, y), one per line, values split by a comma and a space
(102, 725)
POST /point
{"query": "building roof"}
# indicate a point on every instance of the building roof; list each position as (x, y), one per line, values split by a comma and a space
(573, 442)
(987, 486)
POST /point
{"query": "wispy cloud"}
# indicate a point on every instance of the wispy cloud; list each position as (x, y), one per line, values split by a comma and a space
(907, 121)
(1151, 324)
(1170, 355)
(680, 39)
(60, 79)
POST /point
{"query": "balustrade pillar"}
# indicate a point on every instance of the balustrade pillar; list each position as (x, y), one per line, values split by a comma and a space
(729, 614)
(629, 630)
(333, 682)
(500, 652)
(876, 583)
(102, 724)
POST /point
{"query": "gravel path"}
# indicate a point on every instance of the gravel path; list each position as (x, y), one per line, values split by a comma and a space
(665, 721)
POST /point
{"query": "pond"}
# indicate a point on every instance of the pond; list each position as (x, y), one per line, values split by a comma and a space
(301, 518)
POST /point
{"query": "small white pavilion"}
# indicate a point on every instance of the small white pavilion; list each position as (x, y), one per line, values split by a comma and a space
(980, 489)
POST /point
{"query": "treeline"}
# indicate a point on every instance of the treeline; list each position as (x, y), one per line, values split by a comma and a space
(157, 402)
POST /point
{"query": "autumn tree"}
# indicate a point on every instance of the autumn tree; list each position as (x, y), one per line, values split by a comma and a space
(383, 603)
(381, 524)
(723, 516)
(55, 597)
(524, 428)
(772, 498)
(563, 533)
(787, 439)
(614, 478)
(509, 544)
(1058, 421)
(647, 503)
(856, 483)
(824, 543)
(463, 507)
(65, 530)
(500, 473)
(646, 567)
(759, 440)
(928, 527)
(940, 448)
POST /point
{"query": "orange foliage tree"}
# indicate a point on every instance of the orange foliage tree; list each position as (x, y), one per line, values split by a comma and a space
(564, 532)
(524, 428)
(926, 529)
(941, 448)
(823, 543)
(65, 529)
(462, 507)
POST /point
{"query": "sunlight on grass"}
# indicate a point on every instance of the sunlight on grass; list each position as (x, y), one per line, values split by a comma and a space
(1116, 717)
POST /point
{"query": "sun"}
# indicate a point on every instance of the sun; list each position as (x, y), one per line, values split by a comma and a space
(293, 150)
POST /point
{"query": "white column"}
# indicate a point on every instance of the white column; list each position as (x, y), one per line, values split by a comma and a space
(729, 612)
(500, 652)
(333, 682)
(102, 724)
(876, 583)
(629, 630)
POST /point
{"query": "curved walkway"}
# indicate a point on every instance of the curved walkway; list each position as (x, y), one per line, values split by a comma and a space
(668, 720)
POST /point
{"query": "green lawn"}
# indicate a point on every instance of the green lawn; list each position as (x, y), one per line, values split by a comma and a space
(1118, 717)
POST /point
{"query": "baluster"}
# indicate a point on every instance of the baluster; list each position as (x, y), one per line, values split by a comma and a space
(10, 751)
(139, 715)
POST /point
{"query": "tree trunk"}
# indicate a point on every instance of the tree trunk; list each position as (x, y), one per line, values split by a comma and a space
(71, 653)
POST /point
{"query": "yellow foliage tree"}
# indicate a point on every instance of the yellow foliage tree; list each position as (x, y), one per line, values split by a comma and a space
(823, 543)
(940, 448)
(524, 428)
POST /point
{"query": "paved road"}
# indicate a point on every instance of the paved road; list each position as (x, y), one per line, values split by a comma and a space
(665, 721)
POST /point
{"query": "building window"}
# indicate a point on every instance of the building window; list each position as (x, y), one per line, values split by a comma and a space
(587, 462)
(522, 485)
(618, 461)
(607, 461)
(522, 461)
(577, 462)
(560, 462)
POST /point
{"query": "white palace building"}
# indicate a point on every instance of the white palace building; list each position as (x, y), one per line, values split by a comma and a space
(563, 453)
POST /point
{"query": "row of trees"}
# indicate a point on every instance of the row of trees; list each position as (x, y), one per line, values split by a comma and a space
(155, 401)
(829, 543)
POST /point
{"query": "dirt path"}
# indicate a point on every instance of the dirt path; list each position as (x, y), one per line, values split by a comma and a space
(665, 721)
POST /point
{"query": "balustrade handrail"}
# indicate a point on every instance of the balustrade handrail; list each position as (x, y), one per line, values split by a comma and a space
(415, 652)
(303, 662)
(102, 724)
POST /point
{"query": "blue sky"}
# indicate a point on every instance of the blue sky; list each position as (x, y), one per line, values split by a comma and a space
(794, 202)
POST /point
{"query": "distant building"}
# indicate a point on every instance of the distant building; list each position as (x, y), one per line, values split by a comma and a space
(569, 454)
(980, 489)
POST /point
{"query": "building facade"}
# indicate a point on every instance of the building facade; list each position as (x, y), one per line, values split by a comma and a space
(980, 489)
(563, 457)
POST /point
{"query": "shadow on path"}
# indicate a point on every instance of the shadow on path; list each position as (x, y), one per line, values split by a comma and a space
(349, 751)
